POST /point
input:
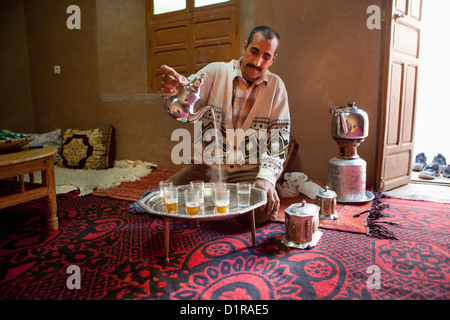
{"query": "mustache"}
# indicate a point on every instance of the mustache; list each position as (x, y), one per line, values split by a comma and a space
(251, 65)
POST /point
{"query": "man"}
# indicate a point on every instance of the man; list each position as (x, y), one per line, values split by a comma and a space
(244, 95)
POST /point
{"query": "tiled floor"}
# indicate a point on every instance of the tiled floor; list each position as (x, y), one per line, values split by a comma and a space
(437, 189)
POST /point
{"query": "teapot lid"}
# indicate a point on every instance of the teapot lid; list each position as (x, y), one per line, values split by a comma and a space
(303, 209)
(196, 83)
(349, 108)
(326, 193)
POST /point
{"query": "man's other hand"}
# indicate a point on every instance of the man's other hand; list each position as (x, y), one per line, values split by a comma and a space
(273, 201)
(171, 81)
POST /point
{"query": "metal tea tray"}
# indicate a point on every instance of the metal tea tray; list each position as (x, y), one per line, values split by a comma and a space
(153, 204)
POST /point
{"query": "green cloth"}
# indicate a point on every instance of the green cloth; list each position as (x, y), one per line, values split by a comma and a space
(7, 135)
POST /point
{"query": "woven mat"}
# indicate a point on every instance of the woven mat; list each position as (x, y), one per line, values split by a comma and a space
(133, 191)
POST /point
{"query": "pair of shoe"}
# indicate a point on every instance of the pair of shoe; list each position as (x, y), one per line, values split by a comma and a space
(432, 170)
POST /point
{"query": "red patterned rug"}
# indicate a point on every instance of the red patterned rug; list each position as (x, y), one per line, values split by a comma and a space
(119, 256)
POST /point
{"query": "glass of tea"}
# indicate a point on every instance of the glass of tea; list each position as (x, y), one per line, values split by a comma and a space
(162, 185)
(192, 201)
(199, 186)
(222, 200)
(171, 198)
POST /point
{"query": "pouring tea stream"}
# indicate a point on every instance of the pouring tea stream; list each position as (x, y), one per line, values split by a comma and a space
(181, 107)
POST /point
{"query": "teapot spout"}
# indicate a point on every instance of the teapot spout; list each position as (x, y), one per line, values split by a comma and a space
(197, 115)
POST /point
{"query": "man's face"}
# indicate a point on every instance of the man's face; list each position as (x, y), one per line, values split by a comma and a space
(257, 56)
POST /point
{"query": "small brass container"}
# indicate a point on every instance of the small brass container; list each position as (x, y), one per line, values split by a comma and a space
(326, 200)
(302, 226)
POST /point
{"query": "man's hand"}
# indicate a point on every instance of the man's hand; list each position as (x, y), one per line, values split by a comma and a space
(171, 81)
(273, 201)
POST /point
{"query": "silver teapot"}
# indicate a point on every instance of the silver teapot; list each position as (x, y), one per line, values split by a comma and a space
(181, 106)
(349, 122)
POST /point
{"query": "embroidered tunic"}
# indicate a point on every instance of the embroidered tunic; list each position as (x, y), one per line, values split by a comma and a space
(263, 117)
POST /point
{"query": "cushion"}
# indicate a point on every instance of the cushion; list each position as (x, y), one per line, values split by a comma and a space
(52, 139)
(88, 148)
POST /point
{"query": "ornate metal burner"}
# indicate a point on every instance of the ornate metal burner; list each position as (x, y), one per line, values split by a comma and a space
(347, 171)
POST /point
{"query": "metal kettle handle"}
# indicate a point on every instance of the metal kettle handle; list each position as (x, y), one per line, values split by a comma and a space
(344, 123)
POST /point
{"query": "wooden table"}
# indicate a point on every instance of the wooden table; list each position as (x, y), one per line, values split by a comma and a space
(24, 161)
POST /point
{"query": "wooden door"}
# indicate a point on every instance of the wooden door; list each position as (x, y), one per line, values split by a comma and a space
(399, 93)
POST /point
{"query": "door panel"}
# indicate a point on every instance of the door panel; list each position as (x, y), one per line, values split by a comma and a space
(215, 39)
(170, 35)
(410, 100)
(416, 9)
(395, 166)
(395, 154)
(207, 54)
(406, 40)
(169, 45)
(394, 104)
(400, 5)
(213, 30)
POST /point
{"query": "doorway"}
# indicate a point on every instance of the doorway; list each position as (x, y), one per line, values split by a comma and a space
(432, 124)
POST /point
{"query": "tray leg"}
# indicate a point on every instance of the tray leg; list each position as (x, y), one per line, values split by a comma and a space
(252, 227)
(166, 240)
